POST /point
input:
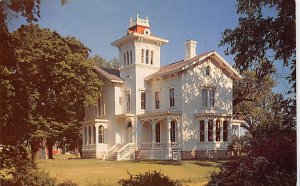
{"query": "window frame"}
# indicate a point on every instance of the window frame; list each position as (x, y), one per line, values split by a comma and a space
(207, 71)
(147, 56)
(225, 130)
(142, 55)
(127, 58)
(157, 132)
(143, 100)
(202, 130)
(173, 131)
(210, 130)
(157, 100)
(218, 130)
(151, 57)
(204, 95)
(100, 134)
(172, 97)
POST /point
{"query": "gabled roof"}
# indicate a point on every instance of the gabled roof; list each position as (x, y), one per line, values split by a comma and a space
(184, 64)
(112, 75)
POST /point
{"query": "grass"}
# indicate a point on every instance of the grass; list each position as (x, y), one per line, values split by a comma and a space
(88, 171)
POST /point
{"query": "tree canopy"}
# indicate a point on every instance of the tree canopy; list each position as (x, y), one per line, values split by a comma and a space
(261, 39)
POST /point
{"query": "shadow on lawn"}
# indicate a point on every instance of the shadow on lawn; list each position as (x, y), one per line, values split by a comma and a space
(209, 162)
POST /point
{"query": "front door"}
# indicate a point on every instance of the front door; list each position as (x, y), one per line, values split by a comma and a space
(129, 132)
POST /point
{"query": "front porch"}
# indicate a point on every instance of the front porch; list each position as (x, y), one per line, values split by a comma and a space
(159, 135)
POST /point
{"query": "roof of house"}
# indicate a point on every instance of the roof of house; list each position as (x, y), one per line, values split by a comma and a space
(111, 74)
(183, 64)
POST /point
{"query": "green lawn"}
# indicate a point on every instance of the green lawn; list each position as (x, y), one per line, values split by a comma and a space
(87, 171)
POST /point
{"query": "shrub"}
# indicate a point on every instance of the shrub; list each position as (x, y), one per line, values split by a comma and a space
(148, 178)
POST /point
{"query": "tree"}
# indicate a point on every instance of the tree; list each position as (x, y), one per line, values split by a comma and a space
(101, 62)
(52, 82)
(260, 40)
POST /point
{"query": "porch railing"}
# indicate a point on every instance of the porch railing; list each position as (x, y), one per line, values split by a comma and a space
(160, 145)
(126, 151)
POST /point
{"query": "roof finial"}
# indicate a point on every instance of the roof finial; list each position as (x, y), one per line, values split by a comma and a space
(137, 16)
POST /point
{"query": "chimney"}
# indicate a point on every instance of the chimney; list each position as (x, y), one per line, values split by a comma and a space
(190, 50)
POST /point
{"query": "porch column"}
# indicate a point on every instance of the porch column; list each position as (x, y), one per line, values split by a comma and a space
(153, 132)
(221, 129)
(230, 132)
(206, 130)
(214, 129)
(169, 131)
(97, 132)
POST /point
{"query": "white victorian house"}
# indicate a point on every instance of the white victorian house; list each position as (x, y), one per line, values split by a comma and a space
(182, 110)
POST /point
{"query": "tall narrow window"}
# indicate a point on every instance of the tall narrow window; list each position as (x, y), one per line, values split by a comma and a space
(210, 130)
(204, 98)
(127, 58)
(202, 132)
(151, 57)
(85, 135)
(128, 101)
(147, 56)
(225, 131)
(218, 130)
(124, 59)
(90, 135)
(100, 106)
(142, 55)
(143, 100)
(101, 134)
(173, 131)
(157, 132)
(212, 98)
(94, 135)
(157, 99)
(171, 97)
(207, 71)
(130, 57)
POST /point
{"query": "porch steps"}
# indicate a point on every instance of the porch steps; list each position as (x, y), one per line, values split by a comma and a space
(112, 154)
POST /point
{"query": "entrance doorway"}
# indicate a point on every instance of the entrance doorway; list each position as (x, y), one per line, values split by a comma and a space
(129, 132)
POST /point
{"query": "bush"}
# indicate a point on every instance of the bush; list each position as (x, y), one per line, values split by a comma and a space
(149, 178)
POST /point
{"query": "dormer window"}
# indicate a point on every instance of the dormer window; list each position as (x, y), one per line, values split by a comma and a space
(207, 71)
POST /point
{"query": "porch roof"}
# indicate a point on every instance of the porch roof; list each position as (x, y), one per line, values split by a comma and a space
(149, 115)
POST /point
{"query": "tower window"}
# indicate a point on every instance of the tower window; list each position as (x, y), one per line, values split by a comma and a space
(142, 56)
(127, 58)
(130, 57)
(147, 56)
(124, 59)
(151, 59)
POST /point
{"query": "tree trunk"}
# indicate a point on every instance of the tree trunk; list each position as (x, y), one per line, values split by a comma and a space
(50, 153)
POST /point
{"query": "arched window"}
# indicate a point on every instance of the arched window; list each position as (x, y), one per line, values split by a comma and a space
(101, 134)
(94, 135)
(84, 135)
(157, 132)
(130, 57)
(127, 58)
(147, 56)
(173, 131)
(142, 56)
(207, 71)
(151, 59)
(124, 59)
(90, 135)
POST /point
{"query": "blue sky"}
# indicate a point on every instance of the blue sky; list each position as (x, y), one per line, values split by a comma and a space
(97, 23)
